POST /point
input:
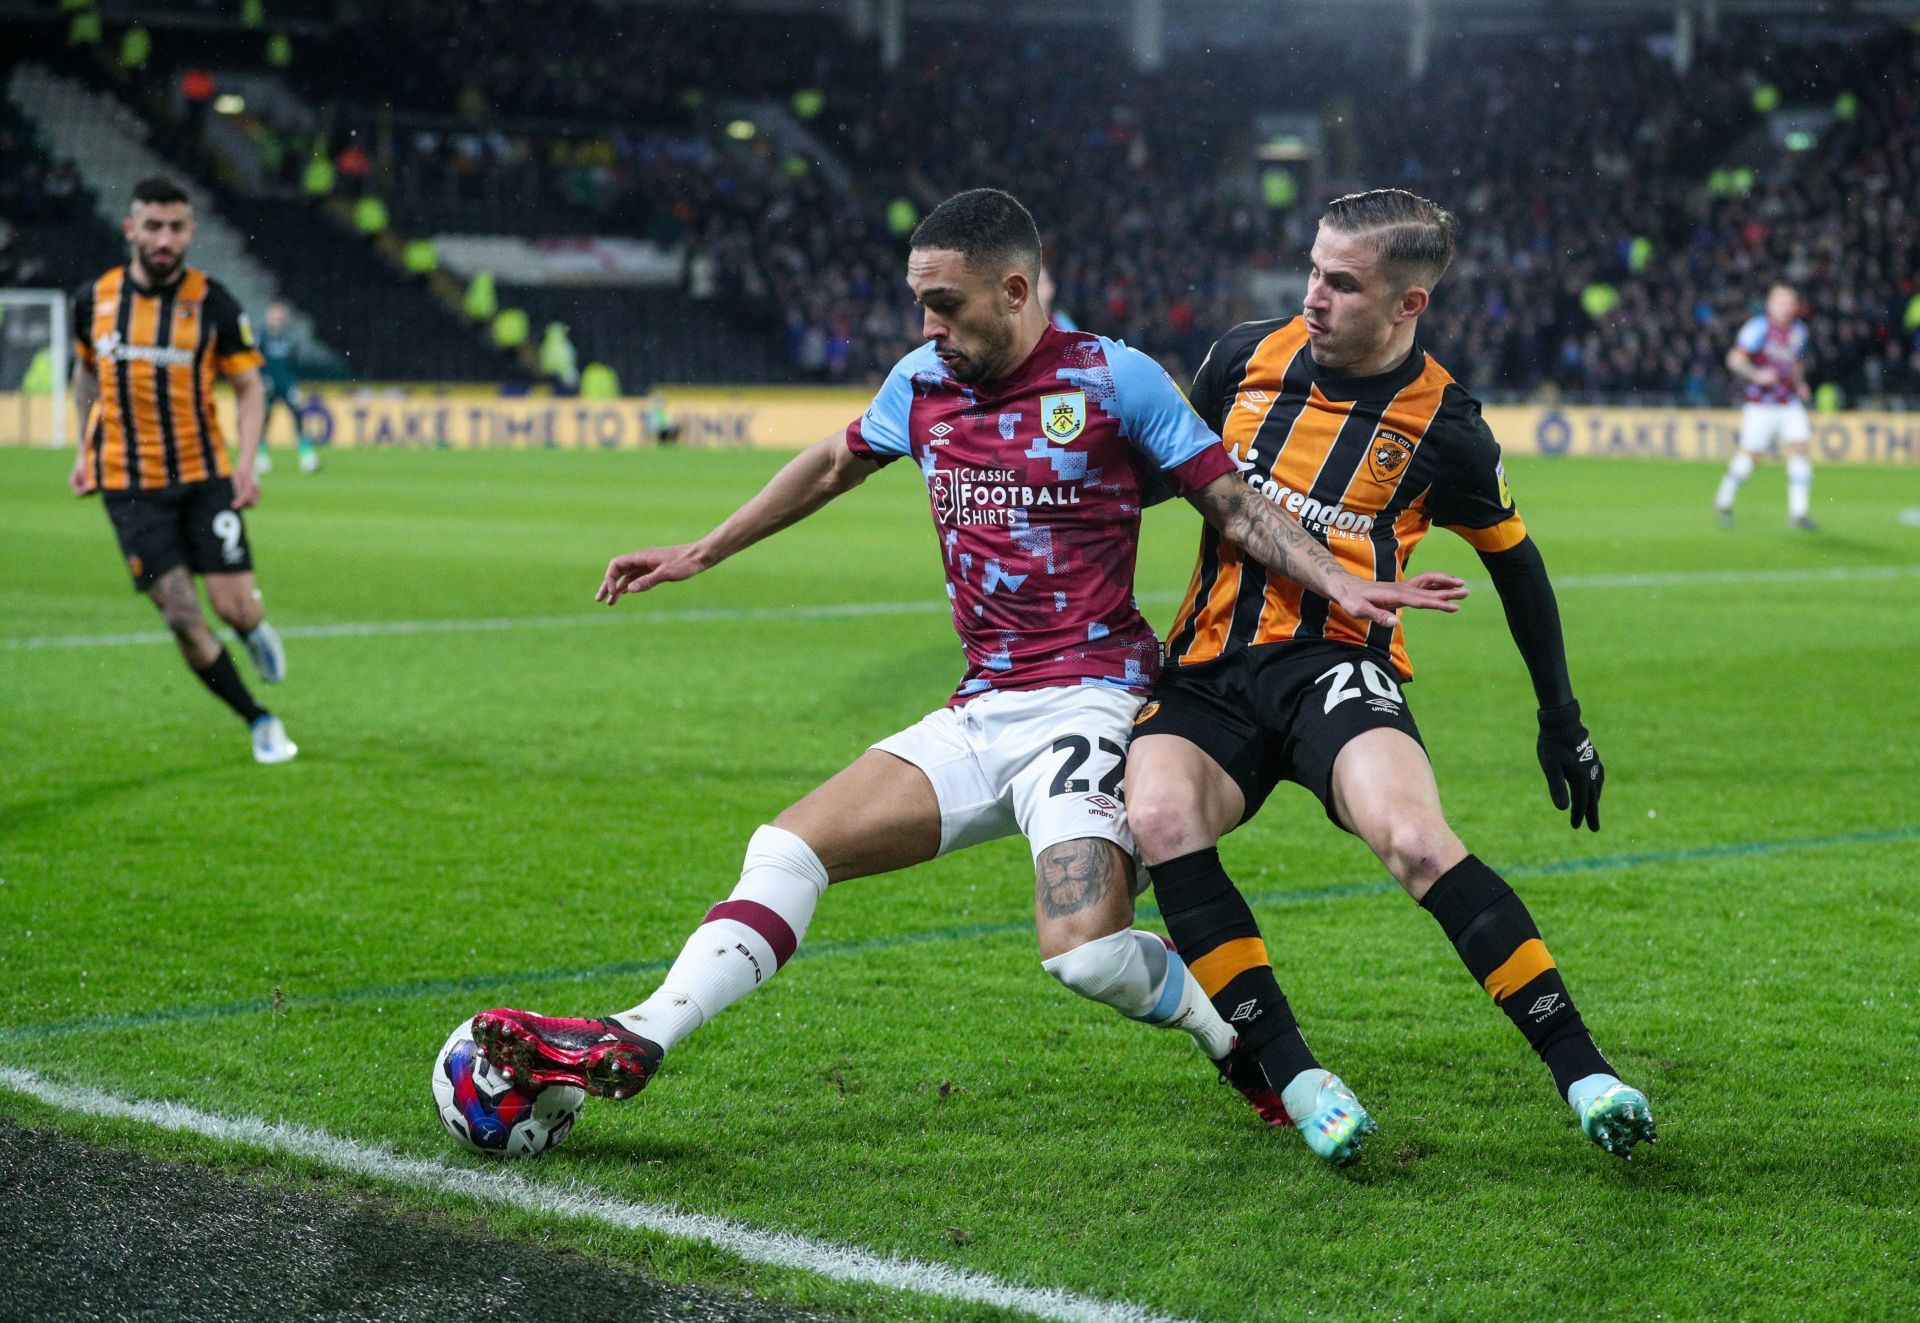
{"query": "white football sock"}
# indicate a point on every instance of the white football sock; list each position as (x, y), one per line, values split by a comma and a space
(1110, 970)
(1739, 469)
(743, 942)
(1799, 486)
(1137, 975)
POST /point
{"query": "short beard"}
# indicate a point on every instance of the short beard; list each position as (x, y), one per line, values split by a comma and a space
(161, 273)
(976, 369)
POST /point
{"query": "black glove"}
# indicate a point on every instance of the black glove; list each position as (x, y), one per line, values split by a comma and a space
(1574, 773)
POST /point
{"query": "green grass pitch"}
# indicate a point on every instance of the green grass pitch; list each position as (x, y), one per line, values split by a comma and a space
(537, 815)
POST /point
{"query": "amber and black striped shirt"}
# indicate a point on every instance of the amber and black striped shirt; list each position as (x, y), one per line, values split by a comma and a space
(1366, 464)
(157, 354)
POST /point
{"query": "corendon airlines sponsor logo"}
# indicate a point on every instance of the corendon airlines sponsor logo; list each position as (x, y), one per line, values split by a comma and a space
(1328, 519)
(967, 497)
(111, 346)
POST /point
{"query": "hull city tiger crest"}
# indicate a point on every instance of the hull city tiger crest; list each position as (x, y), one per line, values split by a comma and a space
(1388, 455)
(1063, 417)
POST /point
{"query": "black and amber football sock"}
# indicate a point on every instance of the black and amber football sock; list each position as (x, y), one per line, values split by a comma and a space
(1501, 947)
(220, 676)
(1214, 931)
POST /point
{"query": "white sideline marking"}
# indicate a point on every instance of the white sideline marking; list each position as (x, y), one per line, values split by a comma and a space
(931, 605)
(500, 1185)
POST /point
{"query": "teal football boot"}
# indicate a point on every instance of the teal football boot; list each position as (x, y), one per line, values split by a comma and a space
(1613, 1115)
(1331, 1119)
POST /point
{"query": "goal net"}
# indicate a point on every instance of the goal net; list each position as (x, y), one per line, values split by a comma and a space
(35, 350)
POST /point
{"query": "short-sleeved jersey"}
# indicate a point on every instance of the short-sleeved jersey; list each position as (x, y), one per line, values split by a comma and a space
(1778, 347)
(1366, 464)
(1036, 485)
(157, 354)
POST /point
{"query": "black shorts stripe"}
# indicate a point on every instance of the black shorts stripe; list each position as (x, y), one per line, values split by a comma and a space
(163, 388)
(1348, 453)
(123, 383)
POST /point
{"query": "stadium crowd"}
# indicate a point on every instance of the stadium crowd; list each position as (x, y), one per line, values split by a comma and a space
(1597, 257)
(1601, 254)
(33, 192)
(1619, 218)
(580, 60)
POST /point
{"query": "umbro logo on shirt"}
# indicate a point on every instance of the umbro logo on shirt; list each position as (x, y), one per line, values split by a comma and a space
(940, 431)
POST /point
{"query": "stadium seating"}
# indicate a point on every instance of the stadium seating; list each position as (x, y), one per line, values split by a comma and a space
(1598, 145)
(1619, 218)
(386, 327)
(109, 146)
(51, 227)
(650, 336)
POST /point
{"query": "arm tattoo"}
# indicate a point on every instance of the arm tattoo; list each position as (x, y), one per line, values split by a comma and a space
(1076, 875)
(1268, 536)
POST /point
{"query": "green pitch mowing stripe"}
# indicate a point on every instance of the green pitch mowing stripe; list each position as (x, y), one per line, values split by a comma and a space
(400, 992)
(927, 606)
(496, 1186)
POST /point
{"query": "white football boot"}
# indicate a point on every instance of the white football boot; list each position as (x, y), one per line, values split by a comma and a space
(270, 742)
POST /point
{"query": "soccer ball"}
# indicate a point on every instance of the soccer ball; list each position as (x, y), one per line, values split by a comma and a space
(489, 1114)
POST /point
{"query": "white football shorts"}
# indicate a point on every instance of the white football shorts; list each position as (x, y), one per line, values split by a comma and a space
(1762, 426)
(1043, 762)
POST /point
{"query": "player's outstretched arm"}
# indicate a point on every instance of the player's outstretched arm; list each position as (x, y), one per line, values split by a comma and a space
(808, 481)
(1567, 756)
(86, 394)
(1245, 517)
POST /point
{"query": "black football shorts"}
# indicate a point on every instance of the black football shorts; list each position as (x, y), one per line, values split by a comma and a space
(193, 524)
(1279, 712)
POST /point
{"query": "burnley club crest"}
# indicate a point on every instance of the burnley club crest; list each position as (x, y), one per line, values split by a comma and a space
(1062, 417)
